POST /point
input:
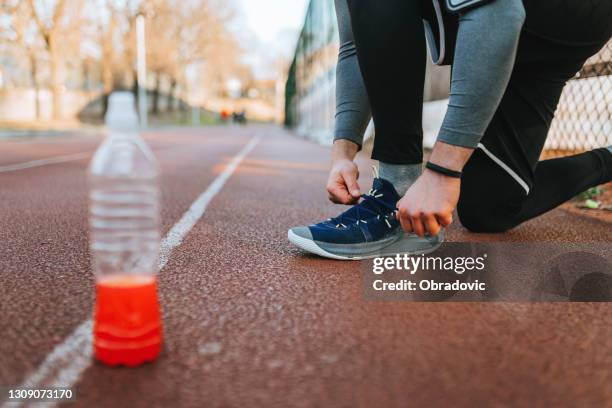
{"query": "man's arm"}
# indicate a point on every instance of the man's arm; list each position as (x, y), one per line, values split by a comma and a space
(485, 53)
(352, 115)
(352, 105)
(484, 58)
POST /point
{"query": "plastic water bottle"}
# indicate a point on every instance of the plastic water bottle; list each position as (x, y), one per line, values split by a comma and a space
(124, 241)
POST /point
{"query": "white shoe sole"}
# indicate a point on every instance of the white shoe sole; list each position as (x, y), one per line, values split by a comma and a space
(311, 246)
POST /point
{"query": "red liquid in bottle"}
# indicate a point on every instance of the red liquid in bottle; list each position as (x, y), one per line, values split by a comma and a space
(127, 324)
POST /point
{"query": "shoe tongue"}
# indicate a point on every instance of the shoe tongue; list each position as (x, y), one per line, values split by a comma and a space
(383, 186)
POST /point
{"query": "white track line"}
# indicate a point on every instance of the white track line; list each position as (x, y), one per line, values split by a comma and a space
(66, 363)
(44, 162)
(175, 236)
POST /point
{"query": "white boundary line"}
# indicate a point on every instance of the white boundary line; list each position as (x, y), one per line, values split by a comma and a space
(66, 363)
(175, 236)
(44, 162)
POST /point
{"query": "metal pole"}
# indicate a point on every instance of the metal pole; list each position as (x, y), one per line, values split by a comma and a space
(141, 62)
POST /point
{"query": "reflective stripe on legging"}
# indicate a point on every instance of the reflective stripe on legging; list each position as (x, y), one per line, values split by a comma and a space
(504, 166)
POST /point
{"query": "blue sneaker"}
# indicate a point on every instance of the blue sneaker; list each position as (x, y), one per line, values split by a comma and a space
(367, 230)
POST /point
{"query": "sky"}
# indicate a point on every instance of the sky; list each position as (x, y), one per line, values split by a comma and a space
(269, 29)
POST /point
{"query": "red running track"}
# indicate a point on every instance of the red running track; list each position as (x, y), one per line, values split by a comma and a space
(252, 321)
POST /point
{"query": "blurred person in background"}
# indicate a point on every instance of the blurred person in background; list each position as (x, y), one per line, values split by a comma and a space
(511, 60)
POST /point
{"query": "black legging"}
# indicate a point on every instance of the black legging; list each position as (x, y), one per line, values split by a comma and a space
(504, 183)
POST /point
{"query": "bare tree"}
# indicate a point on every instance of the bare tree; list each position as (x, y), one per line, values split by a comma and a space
(52, 25)
(17, 18)
(181, 34)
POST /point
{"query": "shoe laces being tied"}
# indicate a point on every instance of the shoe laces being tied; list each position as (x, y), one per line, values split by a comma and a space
(372, 205)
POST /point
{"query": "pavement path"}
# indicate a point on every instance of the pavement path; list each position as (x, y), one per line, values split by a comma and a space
(252, 321)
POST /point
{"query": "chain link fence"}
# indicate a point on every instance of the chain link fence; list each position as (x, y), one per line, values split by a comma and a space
(583, 119)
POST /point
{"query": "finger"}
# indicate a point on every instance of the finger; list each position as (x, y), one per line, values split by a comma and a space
(352, 200)
(350, 180)
(333, 198)
(339, 195)
(431, 224)
(445, 219)
(404, 222)
(417, 225)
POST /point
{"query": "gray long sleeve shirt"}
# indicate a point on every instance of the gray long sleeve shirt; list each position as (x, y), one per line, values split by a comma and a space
(352, 105)
(485, 52)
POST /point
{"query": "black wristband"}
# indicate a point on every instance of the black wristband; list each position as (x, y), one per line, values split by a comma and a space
(443, 170)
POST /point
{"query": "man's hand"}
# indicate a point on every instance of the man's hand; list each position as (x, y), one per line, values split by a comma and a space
(429, 204)
(342, 184)
(430, 201)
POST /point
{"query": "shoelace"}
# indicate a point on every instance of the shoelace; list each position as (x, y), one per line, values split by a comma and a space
(372, 197)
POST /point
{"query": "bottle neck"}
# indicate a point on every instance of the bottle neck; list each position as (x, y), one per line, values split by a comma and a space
(122, 134)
